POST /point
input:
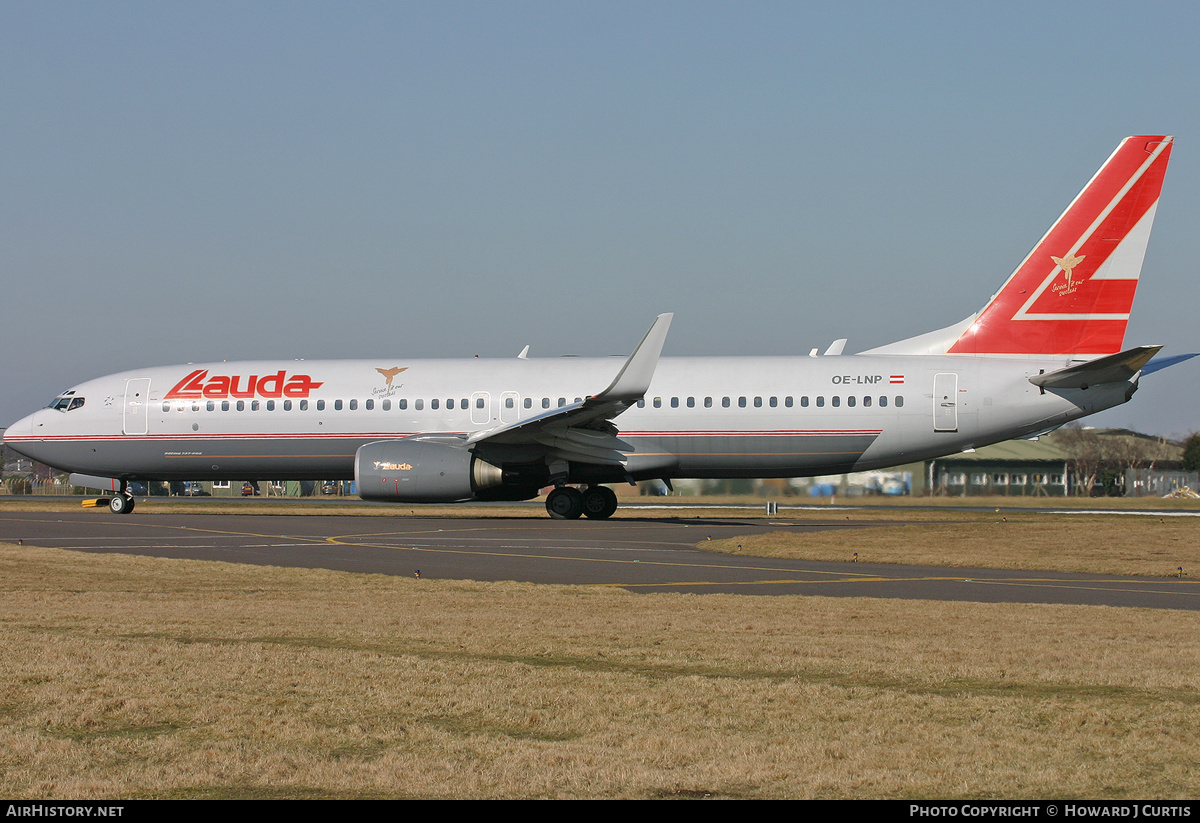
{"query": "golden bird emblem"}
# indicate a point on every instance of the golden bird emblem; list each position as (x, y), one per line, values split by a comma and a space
(1067, 263)
(388, 374)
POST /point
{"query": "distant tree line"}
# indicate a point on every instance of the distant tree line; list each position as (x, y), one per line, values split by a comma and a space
(1099, 461)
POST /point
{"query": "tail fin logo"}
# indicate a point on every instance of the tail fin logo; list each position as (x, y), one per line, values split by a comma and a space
(1067, 264)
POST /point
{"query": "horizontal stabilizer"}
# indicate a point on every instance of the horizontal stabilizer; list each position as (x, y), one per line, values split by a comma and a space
(1160, 363)
(1116, 368)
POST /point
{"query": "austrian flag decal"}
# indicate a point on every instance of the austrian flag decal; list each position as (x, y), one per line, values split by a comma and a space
(897, 378)
(198, 384)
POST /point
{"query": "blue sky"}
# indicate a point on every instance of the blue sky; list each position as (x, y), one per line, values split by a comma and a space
(205, 181)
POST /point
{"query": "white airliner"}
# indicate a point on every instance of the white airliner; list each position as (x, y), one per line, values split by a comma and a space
(1044, 350)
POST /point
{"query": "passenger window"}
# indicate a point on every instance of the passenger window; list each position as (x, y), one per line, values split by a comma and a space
(419, 405)
(508, 403)
(254, 405)
(758, 402)
(820, 401)
(850, 401)
(836, 401)
(741, 402)
(658, 402)
(450, 403)
(320, 405)
(528, 402)
(433, 404)
(867, 401)
(337, 405)
(353, 405)
(387, 405)
(642, 403)
(211, 405)
(241, 405)
(545, 402)
(370, 404)
(882, 401)
(479, 403)
(562, 401)
(287, 405)
(724, 402)
(402, 404)
(166, 406)
(899, 401)
(691, 402)
(773, 402)
(270, 405)
(224, 405)
(787, 401)
(708, 402)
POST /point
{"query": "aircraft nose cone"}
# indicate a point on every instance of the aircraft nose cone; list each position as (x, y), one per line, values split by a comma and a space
(22, 428)
(18, 436)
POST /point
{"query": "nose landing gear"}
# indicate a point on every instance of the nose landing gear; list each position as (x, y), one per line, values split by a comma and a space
(122, 501)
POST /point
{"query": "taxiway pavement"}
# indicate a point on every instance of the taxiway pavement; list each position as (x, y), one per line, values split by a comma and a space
(641, 555)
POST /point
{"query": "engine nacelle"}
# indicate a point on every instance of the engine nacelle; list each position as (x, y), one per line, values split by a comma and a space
(417, 471)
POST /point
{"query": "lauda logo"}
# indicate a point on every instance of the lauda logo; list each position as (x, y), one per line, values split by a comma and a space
(195, 385)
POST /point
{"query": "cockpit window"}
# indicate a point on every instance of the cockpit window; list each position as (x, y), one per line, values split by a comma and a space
(67, 401)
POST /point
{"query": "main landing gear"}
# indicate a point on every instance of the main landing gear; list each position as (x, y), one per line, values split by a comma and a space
(569, 503)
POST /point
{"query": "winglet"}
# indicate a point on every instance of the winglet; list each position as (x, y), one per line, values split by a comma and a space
(629, 386)
(632, 382)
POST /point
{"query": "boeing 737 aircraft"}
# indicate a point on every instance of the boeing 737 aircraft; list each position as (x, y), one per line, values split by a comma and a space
(1044, 350)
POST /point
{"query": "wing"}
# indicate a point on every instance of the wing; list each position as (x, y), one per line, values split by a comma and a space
(583, 431)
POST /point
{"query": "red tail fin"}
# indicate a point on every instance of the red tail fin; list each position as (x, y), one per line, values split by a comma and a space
(1073, 293)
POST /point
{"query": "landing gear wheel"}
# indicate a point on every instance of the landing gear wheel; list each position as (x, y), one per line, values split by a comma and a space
(120, 503)
(564, 503)
(599, 502)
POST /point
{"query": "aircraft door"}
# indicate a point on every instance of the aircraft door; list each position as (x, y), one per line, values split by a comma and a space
(945, 402)
(136, 411)
(481, 408)
(510, 403)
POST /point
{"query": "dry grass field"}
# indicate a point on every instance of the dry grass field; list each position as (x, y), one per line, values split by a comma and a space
(124, 677)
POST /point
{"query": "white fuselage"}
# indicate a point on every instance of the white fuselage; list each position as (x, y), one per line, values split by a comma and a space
(702, 417)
